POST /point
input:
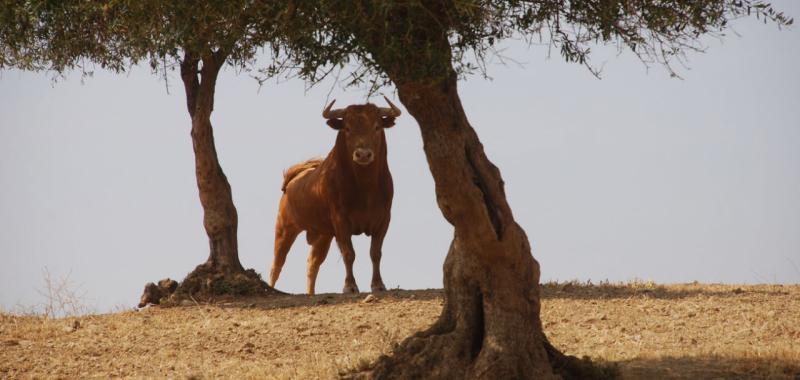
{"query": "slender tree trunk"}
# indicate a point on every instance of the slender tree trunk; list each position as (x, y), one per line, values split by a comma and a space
(219, 214)
(222, 273)
(490, 326)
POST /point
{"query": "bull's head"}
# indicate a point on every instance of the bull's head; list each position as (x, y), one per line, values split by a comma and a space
(362, 127)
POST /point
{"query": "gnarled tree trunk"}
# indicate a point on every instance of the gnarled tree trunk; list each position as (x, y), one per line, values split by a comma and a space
(490, 326)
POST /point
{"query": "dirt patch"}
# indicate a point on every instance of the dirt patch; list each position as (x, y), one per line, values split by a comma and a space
(651, 331)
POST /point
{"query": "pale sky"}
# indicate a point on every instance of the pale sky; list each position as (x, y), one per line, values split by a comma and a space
(635, 176)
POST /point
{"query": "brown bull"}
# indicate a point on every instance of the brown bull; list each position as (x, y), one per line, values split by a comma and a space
(348, 193)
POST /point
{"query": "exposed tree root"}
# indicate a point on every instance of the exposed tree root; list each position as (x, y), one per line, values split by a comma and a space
(205, 283)
(570, 367)
(479, 335)
(448, 356)
(153, 294)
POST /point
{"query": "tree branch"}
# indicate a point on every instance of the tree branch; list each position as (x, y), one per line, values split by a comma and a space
(212, 63)
(191, 83)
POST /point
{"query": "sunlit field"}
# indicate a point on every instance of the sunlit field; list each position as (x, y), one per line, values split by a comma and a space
(691, 331)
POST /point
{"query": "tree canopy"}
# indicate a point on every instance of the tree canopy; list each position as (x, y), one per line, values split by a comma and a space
(378, 35)
(316, 36)
(114, 35)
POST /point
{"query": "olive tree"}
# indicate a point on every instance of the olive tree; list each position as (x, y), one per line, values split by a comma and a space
(195, 38)
(490, 326)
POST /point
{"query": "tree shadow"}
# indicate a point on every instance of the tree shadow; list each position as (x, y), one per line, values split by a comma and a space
(550, 290)
(682, 367)
(710, 367)
(301, 300)
(589, 291)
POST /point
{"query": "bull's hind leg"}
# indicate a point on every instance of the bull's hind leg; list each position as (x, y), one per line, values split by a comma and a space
(285, 234)
(319, 251)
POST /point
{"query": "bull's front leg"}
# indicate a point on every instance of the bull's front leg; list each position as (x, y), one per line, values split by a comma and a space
(349, 256)
(375, 254)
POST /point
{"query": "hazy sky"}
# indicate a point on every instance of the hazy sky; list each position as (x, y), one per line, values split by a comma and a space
(635, 176)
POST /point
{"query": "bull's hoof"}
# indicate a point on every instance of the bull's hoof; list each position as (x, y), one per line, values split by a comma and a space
(377, 288)
(350, 288)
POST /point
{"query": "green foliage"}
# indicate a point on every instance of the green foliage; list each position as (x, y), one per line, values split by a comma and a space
(421, 40)
(402, 39)
(61, 35)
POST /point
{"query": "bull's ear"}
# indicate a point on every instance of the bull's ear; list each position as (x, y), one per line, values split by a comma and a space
(387, 122)
(336, 124)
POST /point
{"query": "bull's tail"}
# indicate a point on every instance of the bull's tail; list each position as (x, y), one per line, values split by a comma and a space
(298, 169)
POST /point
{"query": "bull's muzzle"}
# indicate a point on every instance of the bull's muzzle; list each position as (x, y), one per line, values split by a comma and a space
(363, 156)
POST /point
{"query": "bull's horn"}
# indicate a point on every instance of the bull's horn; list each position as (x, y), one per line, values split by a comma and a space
(390, 112)
(332, 114)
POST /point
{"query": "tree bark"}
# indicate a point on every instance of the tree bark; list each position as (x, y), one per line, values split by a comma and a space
(222, 273)
(219, 213)
(490, 327)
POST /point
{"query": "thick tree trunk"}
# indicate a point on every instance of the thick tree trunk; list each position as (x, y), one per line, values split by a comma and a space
(490, 326)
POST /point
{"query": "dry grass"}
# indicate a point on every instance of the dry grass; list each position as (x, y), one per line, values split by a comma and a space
(680, 331)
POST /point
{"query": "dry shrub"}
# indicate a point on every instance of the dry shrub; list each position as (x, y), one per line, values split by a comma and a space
(62, 298)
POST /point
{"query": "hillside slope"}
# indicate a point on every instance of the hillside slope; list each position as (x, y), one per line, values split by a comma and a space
(677, 331)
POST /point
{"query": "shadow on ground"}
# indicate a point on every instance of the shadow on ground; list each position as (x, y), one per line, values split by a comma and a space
(551, 290)
(681, 368)
(589, 291)
(692, 365)
(301, 300)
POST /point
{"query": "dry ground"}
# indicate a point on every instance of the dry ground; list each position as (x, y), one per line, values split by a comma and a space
(653, 332)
